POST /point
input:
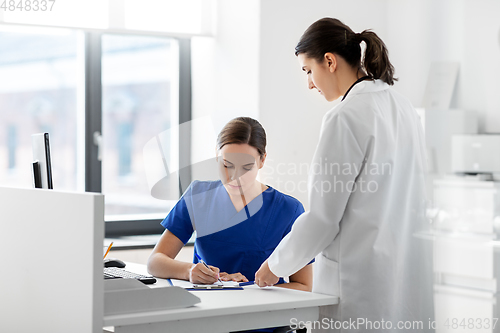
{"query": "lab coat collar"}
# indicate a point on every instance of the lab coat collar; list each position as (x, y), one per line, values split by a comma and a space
(367, 87)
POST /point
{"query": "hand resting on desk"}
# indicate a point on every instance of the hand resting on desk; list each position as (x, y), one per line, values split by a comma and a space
(236, 277)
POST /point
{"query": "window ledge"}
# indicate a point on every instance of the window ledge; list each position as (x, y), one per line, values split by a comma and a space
(138, 242)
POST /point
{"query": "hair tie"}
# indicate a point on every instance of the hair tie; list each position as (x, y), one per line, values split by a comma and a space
(357, 37)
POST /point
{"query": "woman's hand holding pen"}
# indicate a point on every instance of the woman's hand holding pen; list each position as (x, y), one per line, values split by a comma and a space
(199, 273)
(236, 277)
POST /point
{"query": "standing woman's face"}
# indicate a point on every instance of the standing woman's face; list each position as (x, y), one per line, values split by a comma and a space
(320, 75)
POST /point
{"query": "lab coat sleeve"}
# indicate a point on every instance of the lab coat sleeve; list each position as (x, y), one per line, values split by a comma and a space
(336, 164)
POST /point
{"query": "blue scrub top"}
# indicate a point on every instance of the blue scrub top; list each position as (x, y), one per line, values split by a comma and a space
(230, 240)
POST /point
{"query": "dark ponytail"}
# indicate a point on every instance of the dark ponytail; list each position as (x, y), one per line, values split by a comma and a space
(376, 62)
(331, 35)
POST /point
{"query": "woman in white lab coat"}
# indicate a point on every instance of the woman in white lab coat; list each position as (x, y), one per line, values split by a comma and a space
(366, 191)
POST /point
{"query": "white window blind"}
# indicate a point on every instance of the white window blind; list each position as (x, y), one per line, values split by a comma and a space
(171, 17)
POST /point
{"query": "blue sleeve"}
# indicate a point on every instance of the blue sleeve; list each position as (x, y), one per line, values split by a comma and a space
(299, 209)
(178, 221)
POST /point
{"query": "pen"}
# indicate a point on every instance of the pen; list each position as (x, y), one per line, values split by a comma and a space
(246, 283)
(204, 263)
(107, 251)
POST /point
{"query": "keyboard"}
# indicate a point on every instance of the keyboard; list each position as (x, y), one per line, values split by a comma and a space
(120, 273)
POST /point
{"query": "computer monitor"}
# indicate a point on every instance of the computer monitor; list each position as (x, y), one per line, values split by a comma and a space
(42, 170)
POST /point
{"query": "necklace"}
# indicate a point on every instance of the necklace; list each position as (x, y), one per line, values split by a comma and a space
(355, 83)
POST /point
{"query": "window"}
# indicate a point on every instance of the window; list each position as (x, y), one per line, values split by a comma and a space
(39, 92)
(139, 100)
(101, 97)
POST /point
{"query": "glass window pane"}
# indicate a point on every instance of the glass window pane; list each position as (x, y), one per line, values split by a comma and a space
(139, 101)
(39, 89)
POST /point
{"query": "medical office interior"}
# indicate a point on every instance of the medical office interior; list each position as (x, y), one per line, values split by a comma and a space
(104, 78)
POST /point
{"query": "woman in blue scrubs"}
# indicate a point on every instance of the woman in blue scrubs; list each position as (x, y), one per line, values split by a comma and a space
(238, 220)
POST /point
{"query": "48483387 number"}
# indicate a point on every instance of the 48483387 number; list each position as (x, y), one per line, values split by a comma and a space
(27, 5)
(471, 323)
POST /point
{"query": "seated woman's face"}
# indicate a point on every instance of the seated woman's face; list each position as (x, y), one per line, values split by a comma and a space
(238, 167)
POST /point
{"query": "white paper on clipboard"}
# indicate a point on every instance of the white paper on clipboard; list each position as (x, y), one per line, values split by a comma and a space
(218, 285)
(215, 286)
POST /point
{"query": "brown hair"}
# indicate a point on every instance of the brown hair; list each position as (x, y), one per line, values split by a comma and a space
(243, 130)
(331, 35)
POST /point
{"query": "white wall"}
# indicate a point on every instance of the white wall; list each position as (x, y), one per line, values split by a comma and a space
(467, 31)
(252, 70)
(408, 32)
(479, 83)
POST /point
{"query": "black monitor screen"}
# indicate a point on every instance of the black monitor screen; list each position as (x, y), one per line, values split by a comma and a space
(42, 170)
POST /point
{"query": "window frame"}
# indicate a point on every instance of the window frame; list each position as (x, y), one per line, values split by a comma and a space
(93, 127)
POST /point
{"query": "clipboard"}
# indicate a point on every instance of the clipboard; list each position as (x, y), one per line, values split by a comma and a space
(223, 286)
(226, 285)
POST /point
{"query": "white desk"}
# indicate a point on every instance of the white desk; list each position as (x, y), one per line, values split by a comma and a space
(225, 310)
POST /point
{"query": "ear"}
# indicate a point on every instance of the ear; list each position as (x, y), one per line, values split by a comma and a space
(331, 61)
(262, 160)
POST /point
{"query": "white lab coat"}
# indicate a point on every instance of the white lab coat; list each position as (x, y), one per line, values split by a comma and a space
(363, 239)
